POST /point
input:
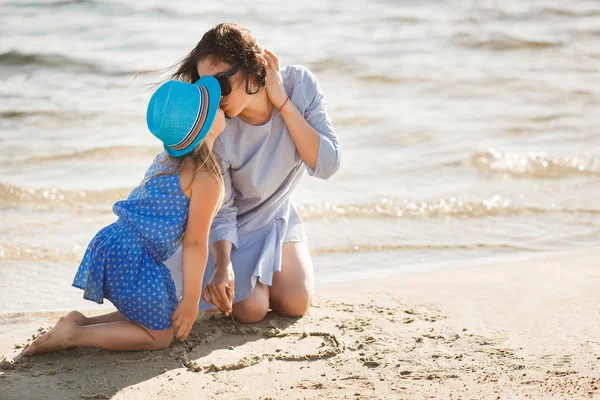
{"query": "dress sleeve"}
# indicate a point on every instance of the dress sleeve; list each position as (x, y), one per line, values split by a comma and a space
(224, 225)
(329, 157)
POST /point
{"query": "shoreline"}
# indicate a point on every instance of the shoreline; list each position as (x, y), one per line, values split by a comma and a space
(347, 277)
(499, 329)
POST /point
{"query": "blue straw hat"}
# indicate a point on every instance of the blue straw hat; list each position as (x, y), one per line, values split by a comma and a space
(180, 114)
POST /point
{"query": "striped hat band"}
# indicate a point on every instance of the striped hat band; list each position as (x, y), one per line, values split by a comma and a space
(197, 126)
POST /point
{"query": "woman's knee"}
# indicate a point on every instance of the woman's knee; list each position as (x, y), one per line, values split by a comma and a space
(293, 286)
(294, 303)
(254, 308)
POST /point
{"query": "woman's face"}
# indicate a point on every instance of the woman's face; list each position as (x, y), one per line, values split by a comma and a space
(236, 101)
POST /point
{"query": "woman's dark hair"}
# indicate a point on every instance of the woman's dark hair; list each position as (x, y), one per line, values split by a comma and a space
(231, 44)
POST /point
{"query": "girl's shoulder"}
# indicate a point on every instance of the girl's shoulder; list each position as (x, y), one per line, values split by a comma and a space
(163, 168)
(161, 163)
(157, 175)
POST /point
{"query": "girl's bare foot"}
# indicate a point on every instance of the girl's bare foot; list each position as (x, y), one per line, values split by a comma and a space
(77, 317)
(57, 339)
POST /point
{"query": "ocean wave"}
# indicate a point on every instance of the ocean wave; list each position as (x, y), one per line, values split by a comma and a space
(339, 65)
(111, 8)
(98, 153)
(563, 12)
(537, 12)
(403, 19)
(50, 4)
(363, 248)
(552, 117)
(50, 114)
(357, 121)
(108, 8)
(441, 208)
(454, 207)
(36, 253)
(26, 114)
(502, 42)
(47, 254)
(534, 165)
(11, 196)
(18, 59)
(390, 79)
(387, 79)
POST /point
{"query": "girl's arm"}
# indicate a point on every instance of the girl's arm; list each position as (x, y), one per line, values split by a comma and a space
(203, 205)
(223, 237)
(224, 226)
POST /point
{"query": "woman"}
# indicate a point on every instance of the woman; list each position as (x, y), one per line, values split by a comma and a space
(278, 127)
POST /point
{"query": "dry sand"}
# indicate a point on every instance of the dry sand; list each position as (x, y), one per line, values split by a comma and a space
(524, 328)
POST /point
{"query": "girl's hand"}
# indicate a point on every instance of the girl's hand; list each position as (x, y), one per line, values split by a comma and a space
(275, 88)
(184, 317)
(219, 290)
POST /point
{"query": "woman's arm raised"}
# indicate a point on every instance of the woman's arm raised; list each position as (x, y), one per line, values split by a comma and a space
(312, 133)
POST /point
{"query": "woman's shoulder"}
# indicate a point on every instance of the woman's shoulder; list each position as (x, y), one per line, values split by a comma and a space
(300, 84)
(298, 75)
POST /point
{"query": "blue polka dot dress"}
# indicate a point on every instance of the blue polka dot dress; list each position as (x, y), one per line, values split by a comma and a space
(124, 261)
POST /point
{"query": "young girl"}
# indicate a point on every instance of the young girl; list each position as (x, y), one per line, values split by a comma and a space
(124, 261)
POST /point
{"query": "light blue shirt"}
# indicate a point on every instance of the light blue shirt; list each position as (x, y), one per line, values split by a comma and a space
(261, 168)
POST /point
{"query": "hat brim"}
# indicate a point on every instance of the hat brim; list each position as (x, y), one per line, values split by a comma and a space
(214, 98)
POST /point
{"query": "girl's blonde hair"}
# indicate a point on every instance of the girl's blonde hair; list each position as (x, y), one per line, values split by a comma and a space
(202, 158)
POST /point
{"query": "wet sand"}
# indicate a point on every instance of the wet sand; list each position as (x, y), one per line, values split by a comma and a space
(523, 328)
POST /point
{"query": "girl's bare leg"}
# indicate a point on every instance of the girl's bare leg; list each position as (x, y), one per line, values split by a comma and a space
(82, 320)
(117, 335)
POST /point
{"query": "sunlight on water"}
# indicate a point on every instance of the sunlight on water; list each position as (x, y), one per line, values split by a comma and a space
(468, 129)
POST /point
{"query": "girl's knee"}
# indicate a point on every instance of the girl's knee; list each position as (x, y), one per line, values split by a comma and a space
(162, 339)
(77, 317)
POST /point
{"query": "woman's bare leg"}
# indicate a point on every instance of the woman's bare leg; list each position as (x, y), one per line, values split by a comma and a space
(255, 307)
(118, 335)
(291, 292)
(293, 287)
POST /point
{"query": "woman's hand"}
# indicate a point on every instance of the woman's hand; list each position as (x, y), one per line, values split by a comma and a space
(219, 290)
(275, 88)
(184, 317)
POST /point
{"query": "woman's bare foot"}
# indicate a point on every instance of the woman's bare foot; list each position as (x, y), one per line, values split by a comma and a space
(77, 317)
(57, 339)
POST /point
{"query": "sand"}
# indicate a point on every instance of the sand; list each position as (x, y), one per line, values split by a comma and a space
(527, 327)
